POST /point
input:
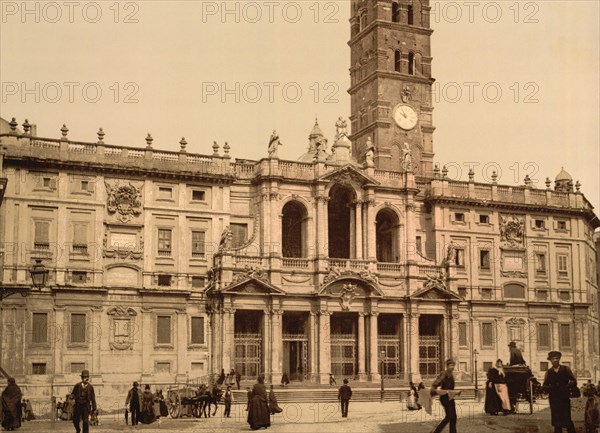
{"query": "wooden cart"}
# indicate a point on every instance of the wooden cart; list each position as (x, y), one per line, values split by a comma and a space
(519, 381)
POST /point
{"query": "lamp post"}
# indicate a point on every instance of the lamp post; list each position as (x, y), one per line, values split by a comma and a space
(475, 353)
(381, 356)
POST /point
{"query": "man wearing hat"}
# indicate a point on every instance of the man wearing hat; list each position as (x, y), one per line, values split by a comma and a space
(344, 395)
(559, 380)
(85, 402)
(134, 398)
(516, 357)
(445, 381)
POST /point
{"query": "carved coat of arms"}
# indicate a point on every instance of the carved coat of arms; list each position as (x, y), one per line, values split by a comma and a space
(124, 201)
(512, 230)
(347, 296)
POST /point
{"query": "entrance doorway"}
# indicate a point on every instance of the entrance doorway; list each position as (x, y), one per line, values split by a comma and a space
(430, 345)
(295, 346)
(344, 347)
(390, 343)
(247, 337)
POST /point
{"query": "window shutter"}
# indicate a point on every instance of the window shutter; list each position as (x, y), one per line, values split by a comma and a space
(80, 234)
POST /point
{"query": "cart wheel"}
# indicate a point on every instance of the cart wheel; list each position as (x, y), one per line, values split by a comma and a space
(174, 405)
(196, 410)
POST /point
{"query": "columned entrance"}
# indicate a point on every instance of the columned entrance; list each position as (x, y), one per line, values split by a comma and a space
(344, 347)
(295, 346)
(390, 341)
(248, 339)
(430, 345)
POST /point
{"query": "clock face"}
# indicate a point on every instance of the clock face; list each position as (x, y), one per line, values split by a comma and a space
(405, 117)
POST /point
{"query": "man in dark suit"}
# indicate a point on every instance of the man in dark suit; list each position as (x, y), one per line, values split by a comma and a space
(134, 399)
(516, 357)
(85, 402)
(344, 395)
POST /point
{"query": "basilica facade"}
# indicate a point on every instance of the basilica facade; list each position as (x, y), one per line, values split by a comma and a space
(361, 259)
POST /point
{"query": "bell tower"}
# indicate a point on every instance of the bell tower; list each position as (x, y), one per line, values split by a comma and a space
(391, 82)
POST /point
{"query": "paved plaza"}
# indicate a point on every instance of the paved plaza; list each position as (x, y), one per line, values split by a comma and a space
(386, 417)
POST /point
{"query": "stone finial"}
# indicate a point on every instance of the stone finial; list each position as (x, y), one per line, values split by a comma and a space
(26, 127)
(226, 150)
(215, 147)
(548, 183)
(577, 186)
(182, 144)
(149, 141)
(13, 125)
(494, 177)
(444, 172)
(436, 170)
(101, 135)
(64, 131)
(528, 181)
(471, 174)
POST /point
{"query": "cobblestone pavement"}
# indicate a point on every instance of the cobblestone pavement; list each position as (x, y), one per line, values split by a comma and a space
(324, 417)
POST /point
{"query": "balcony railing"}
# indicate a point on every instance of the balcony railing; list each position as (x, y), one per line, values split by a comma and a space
(294, 263)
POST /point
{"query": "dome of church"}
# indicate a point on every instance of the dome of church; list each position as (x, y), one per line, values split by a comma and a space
(563, 175)
(316, 131)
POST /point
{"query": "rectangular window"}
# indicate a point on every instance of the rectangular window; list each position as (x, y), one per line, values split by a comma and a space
(459, 217)
(459, 257)
(564, 295)
(198, 243)
(47, 182)
(77, 367)
(164, 242)
(79, 277)
(486, 293)
(462, 334)
(163, 330)
(197, 368)
(419, 245)
(198, 195)
(543, 336)
(38, 368)
(484, 219)
(78, 328)
(240, 234)
(540, 224)
(563, 265)
(80, 239)
(487, 334)
(540, 263)
(165, 193)
(484, 259)
(462, 292)
(486, 366)
(162, 367)
(39, 329)
(197, 282)
(543, 366)
(42, 235)
(561, 225)
(85, 185)
(565, 336)
(197, 330)
(164, 280)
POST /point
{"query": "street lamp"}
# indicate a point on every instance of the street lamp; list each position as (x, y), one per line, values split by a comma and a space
(475, 353)
(381, 356)
(39, 274)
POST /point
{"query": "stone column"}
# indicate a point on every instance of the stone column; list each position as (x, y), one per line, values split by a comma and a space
(415, 375)
(324, 346)
(373, 348)
(353, 241)
(277, 346)
(275, 247)
(181, 343)
(371, 229)
(228, 343)
(267, 338)
(217, 338)
(313, 337)
(362, 375)
(321, 221)
(359, 230)
(410, 231)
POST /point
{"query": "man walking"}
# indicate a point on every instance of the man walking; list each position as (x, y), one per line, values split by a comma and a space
(133, 400)
(559, 381)
(85, 402)
(344, 395)
(228, 397)
(238, 379)
(445, 381)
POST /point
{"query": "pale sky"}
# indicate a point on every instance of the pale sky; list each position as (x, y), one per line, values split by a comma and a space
(178, 58)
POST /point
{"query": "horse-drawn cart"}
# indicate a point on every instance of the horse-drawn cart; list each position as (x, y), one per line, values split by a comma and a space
(520, 381)
(192, 400)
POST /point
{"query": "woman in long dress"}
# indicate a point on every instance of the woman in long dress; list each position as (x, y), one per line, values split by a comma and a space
(496, 391)
(11, 405)
(258, 407)
(412, 403)
(273, 406)
(147, 415)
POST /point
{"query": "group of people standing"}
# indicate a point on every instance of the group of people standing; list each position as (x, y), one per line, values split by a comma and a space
(260, 406)
(229, 379)
(144, 407)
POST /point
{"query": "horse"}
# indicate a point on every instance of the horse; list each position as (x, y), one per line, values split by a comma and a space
(209, 398)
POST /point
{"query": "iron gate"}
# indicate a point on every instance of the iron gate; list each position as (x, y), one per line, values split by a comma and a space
(429, 355)
(248, 354)
(343, 355)
(392, 362)
(303, 340)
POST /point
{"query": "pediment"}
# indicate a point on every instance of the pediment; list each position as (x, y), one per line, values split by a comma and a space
(435, 293)
(349, 173)
(362, 288)
(253, 286)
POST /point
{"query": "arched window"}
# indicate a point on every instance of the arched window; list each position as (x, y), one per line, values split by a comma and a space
(363, 20)
(398, 61)
(339, 216)
(410, 15)
(395, 13)
(411, 63)
(293, 230)
(386, 238)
